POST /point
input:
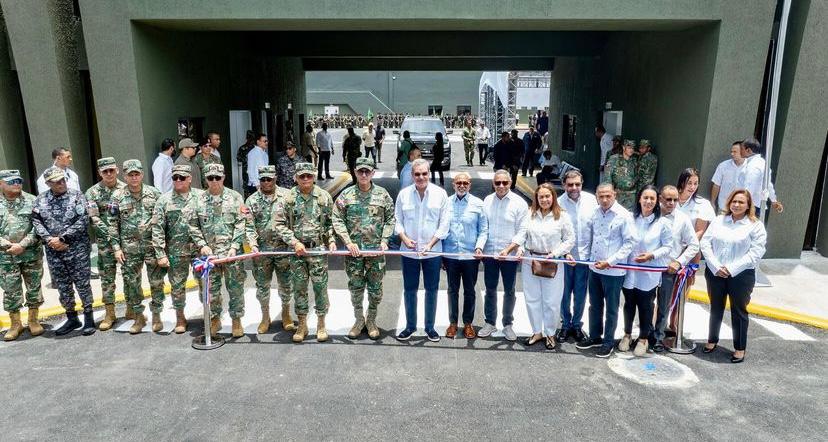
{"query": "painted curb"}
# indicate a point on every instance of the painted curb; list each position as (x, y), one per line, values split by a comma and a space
(338, 184)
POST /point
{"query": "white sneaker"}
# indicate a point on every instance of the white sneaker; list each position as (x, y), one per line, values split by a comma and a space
(640, 348)
(509, 333)
(487, 330)
(624, 345)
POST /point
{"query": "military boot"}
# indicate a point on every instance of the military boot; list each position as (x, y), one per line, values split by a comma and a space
(215, 325)
(371, 324)
(88, 323)
(180, 321)
(138, 325)
(130, 314)
(321, 332)
(237, 330)
(109, 318)
(72, 323)
(287, 321)
(359, 324)
(264, 326)
(34, 325)
(157, 325)
(16, 327)
(302, 329)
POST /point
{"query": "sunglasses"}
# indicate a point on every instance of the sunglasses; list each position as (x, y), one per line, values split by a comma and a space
(421, 174)
(179, 178)
(265, 180)
(501, 183)
(215, 178)
(670, 200)
(462, 183)
(364, 172)
(306, 176)
(14, 182)
(59, 182)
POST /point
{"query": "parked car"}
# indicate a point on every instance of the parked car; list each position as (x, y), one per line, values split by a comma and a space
(422, 130)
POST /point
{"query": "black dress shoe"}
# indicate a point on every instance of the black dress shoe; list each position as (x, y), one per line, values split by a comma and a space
(561, 334)
(736, 360)
(710, 350)
(72, 323)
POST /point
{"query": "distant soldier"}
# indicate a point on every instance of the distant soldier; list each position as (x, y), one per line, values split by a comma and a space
(303, 221)
(469, 136)
(99, 198)
(351, 151)
(60, 220)
(262, 237)
(205, 158)
(363, 218)
(286, 166)
(130, 230)
(621, 172)
(647, 165)
(218, 229)
(21, 258)
(171, 240)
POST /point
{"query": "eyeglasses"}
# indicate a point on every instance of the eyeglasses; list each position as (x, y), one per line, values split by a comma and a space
(364, 171)
(501, 183)
(306, 176)
(462, 183)
(14, 182)
(215, 178)
(421, 174)
(179, 178)
(265, 179)
(670, 200)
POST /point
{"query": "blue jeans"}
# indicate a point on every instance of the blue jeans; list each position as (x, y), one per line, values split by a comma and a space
(411, 282)
(575, 288)
(604, 290)
(493, 270)
(465, 270)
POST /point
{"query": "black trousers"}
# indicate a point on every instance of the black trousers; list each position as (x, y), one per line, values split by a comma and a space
(324, 158)
(483, 150)
(458, 270)
(738, 289)
(643, 301)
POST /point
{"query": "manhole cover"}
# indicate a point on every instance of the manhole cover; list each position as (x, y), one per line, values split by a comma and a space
(656, 370)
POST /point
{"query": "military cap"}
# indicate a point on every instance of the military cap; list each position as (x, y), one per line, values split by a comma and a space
(643, 142)
(214, 170)
(629, 143)
(182, 169)
(10, 174)
(267, 171)
(185, 143)
(289, 144)
(303, 168)
(54, 173)
(364, 163)
(107, 163)
(133, 166)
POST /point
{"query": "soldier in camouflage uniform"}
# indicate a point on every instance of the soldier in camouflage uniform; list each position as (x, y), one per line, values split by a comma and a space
(171, 240)
(621, 172)
(286, 166)
(303, 220)
(59, 217)
(261, 237)
(218, 229)
(21, 258)
(205, 158)
(99, 198)
(363, 218)
(468, 143)
(130, 230)
(647, 165)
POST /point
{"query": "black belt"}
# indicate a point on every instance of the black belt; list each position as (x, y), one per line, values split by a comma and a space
(309, 244)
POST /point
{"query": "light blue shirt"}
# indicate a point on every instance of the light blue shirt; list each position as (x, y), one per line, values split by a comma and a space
(422, 219)
(469, 227)
(255, 158)
(405, 176)
(612, 236)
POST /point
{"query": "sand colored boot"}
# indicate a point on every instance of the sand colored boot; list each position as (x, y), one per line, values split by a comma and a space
(359, 325)
(157, 325)
(264, 326)
(109, 318)
(180, 321)
(321, 331)
(130, 314)
(287, 321)
(215, 325)
(138, 325)
(371, 325)
(34, 325)
(301, 330)
(237, 329)
(16, 327)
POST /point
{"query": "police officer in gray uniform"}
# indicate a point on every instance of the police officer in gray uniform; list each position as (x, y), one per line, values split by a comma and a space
(60, 219)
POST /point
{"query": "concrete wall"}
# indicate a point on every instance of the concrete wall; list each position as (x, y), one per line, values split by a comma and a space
(13, 154)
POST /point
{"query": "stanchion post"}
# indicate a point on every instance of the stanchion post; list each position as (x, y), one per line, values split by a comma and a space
(207, 341)
(680, 345)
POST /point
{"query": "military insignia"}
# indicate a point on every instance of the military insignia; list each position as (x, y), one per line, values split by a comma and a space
(113, 208)
(79, 209)
(92, 209)
(340, 203)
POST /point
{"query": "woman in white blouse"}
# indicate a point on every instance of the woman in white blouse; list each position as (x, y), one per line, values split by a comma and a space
(699, 210)
(548, 233)
(655, 239)
(732, 246)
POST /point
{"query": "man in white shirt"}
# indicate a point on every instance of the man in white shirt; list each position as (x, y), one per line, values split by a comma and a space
(423, 215)
(257, 157)
(606, 146)
(325, 145)
(505, 211)
(162, 166)
(611, 236)
(753, 175)
(62, 158)
(685, 248)
(368, 142)
(580, 206)
(214, 141)
(481, 137)
(726, 177)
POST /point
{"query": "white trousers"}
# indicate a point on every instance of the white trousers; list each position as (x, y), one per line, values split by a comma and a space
(543, 299)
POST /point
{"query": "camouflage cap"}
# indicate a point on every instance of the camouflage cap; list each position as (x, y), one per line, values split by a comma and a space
(267, 171)
(182, 169)
(629, 143)
(10, 174)
(107, 163)
(643, 142)
(133, 166)
(185, 143)
(54, 173)
(303, 168)
(214, 170)
(364, 163)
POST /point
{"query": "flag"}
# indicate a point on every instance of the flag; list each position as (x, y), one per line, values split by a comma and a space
(370, 114)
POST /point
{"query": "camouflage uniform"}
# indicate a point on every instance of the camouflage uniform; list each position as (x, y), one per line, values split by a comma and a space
(98, 198)
(286, 168)
(621, 173)
(259, 232)
(219, 222)
(647, 166)
(130, 230)
(202, 164)
(171, 237)
(16, 227)
(367, 220)
(307, 219)
(468, 144)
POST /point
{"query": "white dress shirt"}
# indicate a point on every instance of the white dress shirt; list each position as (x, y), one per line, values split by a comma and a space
(736, 245)
(368, 138)
(481, 136)
(579, 213)
(544, 234)
(72, 181)
(606, 146)
(255, 158)
(685, 241)
(697, 208)
(727, 177)
(612, 237)
(505, 217)
(654, 236)
(422, 219)
(752, 177)
(323, 141)
(162, 173)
